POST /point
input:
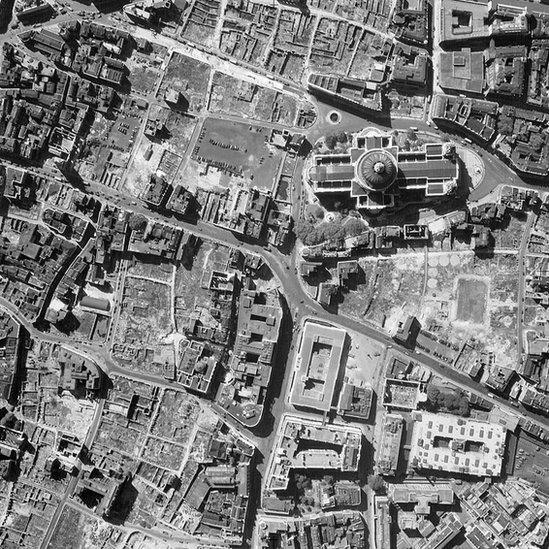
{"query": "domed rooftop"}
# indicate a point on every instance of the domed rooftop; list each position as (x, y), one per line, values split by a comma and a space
(376, 170)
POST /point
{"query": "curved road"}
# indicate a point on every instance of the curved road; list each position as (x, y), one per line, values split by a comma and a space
(283, 268)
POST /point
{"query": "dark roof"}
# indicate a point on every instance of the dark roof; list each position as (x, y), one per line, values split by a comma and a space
(95, 303)
(429, 169)
(377, 169)
(332, 172)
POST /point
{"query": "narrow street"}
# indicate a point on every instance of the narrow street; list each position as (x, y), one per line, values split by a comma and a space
(300, 307)
(92, 432)
(523, 250)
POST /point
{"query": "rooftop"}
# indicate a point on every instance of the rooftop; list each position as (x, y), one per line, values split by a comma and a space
(389, 448)
(317, 366)
(329, 447)
(456, 444)
(462, 70)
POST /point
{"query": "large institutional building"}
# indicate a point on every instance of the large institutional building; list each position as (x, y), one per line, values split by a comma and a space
(317, 366)
(376, 170)
(459, 445)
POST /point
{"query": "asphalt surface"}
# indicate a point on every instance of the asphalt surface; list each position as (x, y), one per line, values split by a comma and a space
(301, 306)
(285, 270)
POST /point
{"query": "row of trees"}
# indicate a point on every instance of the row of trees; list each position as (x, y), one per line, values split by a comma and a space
(312, 234)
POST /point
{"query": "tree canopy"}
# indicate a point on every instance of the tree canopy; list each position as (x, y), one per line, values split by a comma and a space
(311, 234)
(330, 141)
(376, 483)
(449, 401)
(137, 222)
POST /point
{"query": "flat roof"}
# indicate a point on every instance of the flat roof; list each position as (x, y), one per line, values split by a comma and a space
(462, 70)
(332, 172)
(287, 456)
(463, 20)
(457, 444)
(317, 366)
(415, 492)
(443, 168)
(391, 439)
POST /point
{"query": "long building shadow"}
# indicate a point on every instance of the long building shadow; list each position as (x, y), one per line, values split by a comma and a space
(265, 427)
(6, 10)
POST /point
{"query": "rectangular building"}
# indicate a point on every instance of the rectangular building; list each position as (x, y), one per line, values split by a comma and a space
(462, 71)
(352, 93)
(422, 495)
(457, 444)
(317, 366)
(382, 522)
(389, 449)
(330, 447)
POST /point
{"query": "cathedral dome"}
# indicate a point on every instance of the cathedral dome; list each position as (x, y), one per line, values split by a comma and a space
(376, 170)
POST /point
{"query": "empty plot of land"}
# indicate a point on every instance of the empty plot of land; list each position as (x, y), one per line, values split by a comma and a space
(532, 463)
(190, 78)
(180, 129)
(144, 75)
(472, 300)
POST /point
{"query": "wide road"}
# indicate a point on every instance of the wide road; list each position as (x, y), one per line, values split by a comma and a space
(300, 302)
(283, 268)
(497, 172)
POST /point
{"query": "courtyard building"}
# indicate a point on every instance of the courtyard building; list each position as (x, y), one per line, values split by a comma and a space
(457, 445)
(317, 366)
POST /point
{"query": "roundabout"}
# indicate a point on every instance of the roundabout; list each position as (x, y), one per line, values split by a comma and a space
(334, 117)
